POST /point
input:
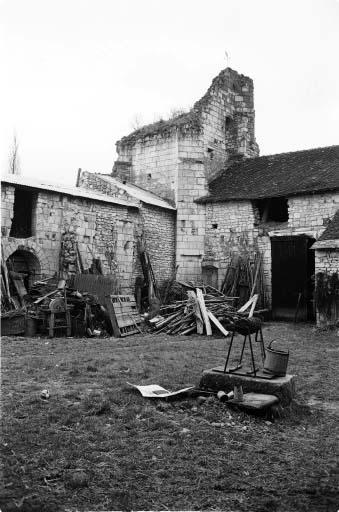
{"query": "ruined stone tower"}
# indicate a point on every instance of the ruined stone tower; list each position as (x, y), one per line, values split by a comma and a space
(176, 158)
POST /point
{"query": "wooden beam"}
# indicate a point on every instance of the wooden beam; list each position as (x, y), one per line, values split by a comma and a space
(248, 303)
(217, 323)
(204, 313)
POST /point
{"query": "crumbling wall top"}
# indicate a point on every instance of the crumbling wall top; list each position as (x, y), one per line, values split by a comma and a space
(191, 122)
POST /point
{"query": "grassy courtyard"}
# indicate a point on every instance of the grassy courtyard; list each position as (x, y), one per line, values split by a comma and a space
(96, 444)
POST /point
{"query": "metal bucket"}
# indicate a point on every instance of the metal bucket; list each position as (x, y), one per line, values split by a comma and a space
(276, 361)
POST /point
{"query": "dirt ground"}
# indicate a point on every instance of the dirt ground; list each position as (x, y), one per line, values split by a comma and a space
(96, 444)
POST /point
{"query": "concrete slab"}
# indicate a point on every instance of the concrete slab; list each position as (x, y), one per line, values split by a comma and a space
(283, 387)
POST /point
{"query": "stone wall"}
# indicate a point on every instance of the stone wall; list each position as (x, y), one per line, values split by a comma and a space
(97, 183)
(190, 215)
(159, 230)
(308, 215)
(233, 226)
(154, 164)
(158, 225)
(313, 211)
(229, 229)
(7, 205)
(327, 261)
(228, 116)
(221, 122)
(104, 230)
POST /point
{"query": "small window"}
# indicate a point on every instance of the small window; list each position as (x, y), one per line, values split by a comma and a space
(273, 209)
(214, 226)
(149, 176)
(22, 223)
(228, 122)
(210, 153)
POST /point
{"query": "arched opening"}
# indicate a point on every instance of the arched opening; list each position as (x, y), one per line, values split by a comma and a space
(26, 264)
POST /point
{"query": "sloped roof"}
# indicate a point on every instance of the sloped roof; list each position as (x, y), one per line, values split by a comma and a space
(137, 192)
(332, 230)
(25, 181)
(284, 174)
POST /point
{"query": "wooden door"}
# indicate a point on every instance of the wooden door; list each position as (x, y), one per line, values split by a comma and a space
(292, 269)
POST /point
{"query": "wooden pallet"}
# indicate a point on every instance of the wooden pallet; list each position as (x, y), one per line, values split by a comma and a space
(124, 314)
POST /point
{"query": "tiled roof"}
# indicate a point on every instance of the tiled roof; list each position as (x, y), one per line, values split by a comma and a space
(137, 192)
(25, 181)
(284, 174)
(332, 230)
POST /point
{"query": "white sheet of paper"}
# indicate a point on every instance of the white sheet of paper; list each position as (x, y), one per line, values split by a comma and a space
(155, 391)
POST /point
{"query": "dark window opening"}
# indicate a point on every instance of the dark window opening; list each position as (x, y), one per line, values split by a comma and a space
(24, 202)
(210, 152)
(273, 209)
(215, 226)
(228, 122)
(149, 176)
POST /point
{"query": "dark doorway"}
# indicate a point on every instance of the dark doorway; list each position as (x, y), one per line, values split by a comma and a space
(24, 202)
(292, 277)
(26, 264)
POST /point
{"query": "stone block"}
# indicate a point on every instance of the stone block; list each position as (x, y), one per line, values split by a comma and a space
(282, 387)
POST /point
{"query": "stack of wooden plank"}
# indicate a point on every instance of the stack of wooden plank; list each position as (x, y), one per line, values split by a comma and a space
(245, 277)
(201, 312)
(13, 289)
(196, 314)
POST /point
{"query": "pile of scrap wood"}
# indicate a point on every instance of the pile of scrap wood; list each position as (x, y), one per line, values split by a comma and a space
(149, 279)
(87, 314)
(245, 277)
(13, 289)
(84, 296)
(200, 312)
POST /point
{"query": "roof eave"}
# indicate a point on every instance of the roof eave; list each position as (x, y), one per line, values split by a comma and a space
(325, 244)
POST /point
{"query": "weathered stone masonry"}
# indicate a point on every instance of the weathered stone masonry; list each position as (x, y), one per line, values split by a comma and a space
(233, 225)
(176, 158)
(99, 227)
(156, 224)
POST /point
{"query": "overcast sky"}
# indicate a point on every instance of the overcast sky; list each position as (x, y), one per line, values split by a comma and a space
(78, 73)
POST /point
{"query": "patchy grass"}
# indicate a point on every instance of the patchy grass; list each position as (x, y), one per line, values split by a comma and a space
(96, 444)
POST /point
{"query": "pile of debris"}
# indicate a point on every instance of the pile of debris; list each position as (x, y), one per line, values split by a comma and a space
(51, 305)
(205, 307)
(245, 277)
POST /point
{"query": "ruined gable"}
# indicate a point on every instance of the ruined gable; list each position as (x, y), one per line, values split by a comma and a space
(220, 125)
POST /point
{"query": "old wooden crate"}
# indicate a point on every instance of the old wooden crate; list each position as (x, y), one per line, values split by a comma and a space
(124, 314)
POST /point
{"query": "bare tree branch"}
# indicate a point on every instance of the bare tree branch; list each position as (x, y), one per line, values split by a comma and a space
(13, 161)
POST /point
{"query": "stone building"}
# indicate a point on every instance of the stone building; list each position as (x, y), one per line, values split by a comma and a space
(197, 189)
(44, 226)
(281, 205)
(228, 199)
(176, 158)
